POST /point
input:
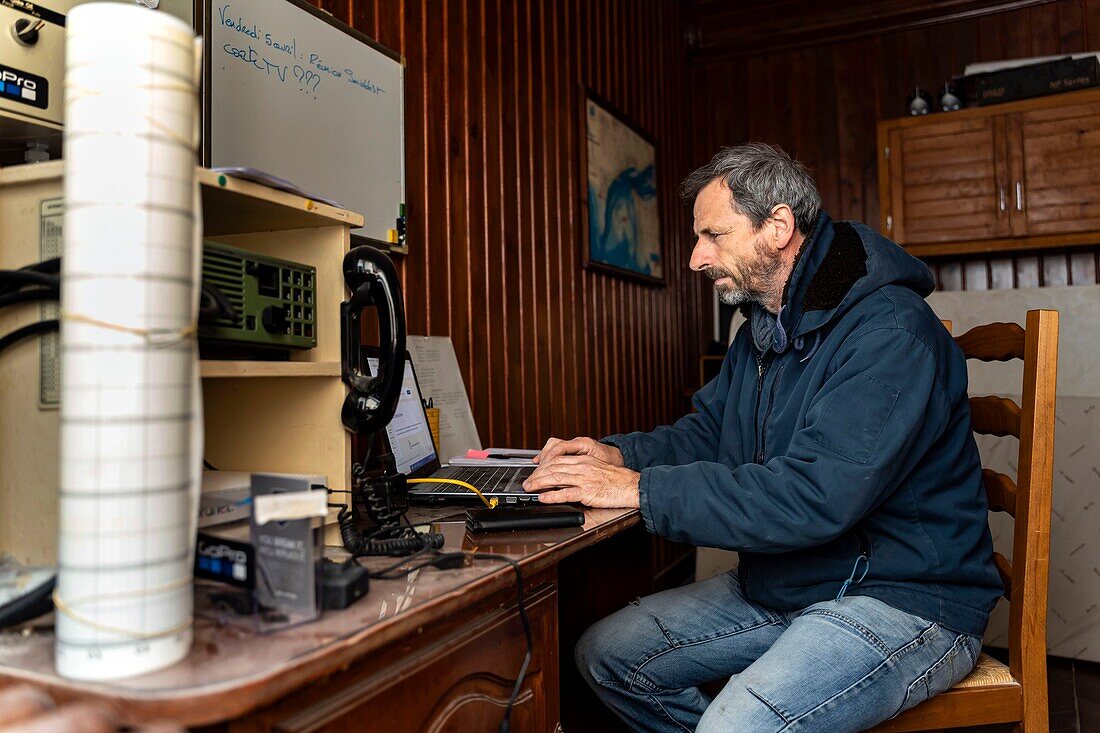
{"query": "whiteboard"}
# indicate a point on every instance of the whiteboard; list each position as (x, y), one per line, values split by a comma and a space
(293, 92)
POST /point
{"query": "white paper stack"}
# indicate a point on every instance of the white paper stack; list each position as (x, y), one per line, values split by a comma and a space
(131, 424)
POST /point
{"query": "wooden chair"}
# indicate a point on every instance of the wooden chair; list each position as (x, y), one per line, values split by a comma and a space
(993, 693)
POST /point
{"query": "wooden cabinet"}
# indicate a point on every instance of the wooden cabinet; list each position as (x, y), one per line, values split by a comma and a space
(1056, 169)
(1023, 175)
(947, 181)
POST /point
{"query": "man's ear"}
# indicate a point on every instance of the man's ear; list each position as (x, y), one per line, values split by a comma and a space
(782, 225)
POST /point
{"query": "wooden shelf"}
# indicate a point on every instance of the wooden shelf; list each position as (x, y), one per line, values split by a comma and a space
(229, 205)
(1016, 245)
(218, 369)
(234, 206)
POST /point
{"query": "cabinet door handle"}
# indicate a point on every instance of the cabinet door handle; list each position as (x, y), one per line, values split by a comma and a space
(1019, 195)
(1004, 200)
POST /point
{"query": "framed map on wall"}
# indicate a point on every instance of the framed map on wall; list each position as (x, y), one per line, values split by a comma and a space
(623, 233)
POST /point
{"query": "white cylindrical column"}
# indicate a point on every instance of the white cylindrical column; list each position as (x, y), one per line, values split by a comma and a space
(130, 401)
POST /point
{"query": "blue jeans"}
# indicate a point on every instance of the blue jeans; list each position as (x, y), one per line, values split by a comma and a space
(836, 666)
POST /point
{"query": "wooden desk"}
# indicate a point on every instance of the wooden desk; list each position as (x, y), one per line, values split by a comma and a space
(438, 650)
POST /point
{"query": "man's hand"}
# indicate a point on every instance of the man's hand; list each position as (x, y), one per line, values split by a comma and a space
(584, 479)
(579, 447)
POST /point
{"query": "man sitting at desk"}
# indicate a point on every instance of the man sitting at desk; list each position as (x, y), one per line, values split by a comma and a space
(834, 452)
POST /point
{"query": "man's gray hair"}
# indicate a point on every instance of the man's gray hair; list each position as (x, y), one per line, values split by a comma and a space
(760, 177)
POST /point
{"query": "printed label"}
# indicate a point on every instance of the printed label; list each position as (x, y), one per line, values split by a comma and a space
(22, 86)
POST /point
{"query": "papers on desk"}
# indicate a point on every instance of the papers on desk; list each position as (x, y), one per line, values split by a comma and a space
(441, 381)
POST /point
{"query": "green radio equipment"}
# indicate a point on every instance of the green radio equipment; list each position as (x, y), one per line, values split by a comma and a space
(257, 301)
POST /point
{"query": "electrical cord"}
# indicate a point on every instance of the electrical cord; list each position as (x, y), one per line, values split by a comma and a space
(19, 278)
(47, 267)
(213, 305)
(491, 503)
(396, 572)
(506, 723)
(395, 546)
(29, 330)
(23, 296)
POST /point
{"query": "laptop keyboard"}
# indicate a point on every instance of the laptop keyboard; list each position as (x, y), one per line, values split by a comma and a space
(488, 480)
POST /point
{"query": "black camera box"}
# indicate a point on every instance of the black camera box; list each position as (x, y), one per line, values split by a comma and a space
(1034, 80)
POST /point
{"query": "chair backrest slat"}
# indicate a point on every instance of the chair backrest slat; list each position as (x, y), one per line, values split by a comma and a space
(995, 416)
(1001, 491)
(993, 342)
(1034, 482)
(1029, 500)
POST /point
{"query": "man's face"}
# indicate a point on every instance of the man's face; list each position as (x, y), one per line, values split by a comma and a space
(728, 251)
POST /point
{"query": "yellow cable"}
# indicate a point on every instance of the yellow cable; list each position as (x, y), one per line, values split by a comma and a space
(491, 503)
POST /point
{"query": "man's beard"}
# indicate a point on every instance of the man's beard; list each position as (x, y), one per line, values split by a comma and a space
(753, 279)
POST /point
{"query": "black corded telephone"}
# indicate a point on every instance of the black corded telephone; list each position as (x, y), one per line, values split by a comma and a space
(372, 280)
(371, 404)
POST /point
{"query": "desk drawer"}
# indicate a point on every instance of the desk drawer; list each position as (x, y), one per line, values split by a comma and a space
(459, 681)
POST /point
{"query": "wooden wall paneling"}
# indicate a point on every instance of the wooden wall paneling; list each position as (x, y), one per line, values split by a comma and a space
(479, 312)
(531, 146)
(990, 37)
(1092, 22)
(515, 178)
(1043, 29)
(365, 17)
(873, 59)
(391, 23)
(437, 245)
(605, 335)
(560, 59)
(664, 353)
(938, 66)
(817, 119)
(657, 355)
(1016, 37)
(855, 126)
(497, 277)
(585, 52)
(637, 400)
(462, 260)
(549, 60)
(617, 89)
(419, 193)
(964, 44)
(340, 9)
(580, 387)
(1071, 26)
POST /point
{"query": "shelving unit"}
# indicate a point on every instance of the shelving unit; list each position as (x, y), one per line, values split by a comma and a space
(280, 417)
(276, 416)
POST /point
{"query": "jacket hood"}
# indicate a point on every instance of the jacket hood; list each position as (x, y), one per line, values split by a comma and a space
(842, 263)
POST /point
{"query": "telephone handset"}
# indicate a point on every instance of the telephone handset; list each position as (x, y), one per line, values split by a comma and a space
(372, 280)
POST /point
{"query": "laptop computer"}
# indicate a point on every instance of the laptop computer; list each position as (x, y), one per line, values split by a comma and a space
(409, 439)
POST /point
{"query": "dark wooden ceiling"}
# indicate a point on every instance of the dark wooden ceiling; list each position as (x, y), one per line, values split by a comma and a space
(724, 28)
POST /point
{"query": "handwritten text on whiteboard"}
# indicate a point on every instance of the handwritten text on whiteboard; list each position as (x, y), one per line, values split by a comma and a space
(280, 58)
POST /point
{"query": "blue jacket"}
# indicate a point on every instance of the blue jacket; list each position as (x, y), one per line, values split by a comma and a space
(835, 445)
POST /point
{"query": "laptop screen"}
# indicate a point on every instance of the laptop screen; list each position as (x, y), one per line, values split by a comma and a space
(408, 434)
